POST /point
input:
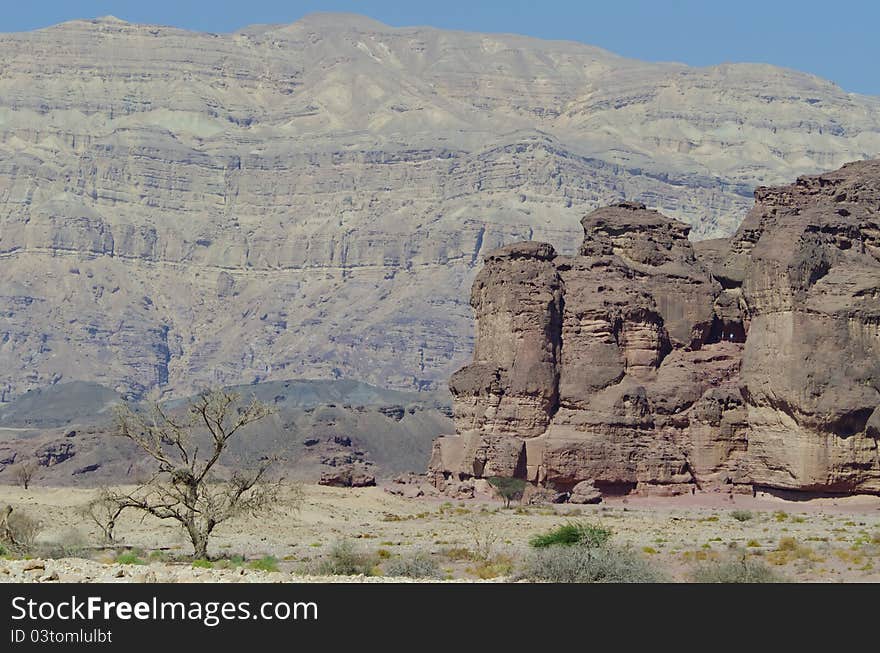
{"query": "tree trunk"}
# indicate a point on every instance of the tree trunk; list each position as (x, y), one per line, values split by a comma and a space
(199, 539)
(200, 546)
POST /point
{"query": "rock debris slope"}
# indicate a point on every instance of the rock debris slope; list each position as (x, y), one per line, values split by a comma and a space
(313, 200)
(645, 363)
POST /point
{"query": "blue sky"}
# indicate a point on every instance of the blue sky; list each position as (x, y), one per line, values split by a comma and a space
(836, 40)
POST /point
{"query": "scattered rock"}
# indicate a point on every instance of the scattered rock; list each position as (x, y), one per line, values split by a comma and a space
(54, 453)
(348, 476)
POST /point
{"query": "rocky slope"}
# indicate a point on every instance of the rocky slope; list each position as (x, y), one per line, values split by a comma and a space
(312, 200)
(319, 427)
(645, 363)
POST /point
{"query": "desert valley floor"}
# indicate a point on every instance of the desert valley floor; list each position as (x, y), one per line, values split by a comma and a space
(819, 540)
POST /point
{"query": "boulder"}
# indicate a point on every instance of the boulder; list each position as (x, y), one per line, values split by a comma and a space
(585, 492)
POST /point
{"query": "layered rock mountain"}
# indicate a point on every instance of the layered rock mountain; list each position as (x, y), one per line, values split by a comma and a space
(180, 209)
(647, 363)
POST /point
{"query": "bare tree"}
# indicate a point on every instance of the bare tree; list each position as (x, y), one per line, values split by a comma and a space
(483, 533)
(104, 510)
(185, 487)
(24, 472)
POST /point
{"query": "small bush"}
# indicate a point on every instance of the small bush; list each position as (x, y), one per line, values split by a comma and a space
(790, 549)
(266, 563)
(787, 544)
(743, 570)
(586, 564)
(499, 565)
(129, 558)
(20, 532)
(70, 544)
(344, 560)
(201, 563)
(418, 565)
(588, 535)
(700, 554)
(458, 553)
(231, 562)
(741, 515)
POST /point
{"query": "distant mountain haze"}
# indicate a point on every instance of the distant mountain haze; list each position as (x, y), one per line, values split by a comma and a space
(181, 209)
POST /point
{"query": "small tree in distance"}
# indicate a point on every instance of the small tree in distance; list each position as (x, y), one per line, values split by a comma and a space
(184, 487)
(509, 489)
(24, 472)
(104, 510)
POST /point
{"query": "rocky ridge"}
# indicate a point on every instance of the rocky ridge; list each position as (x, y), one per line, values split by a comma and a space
(181, 209)
(646, 363)
(346, 430)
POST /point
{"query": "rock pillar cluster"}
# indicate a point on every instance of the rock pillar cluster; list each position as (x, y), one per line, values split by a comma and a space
(652, 364)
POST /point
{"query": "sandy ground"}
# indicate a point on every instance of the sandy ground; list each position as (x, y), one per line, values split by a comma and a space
(821, 540)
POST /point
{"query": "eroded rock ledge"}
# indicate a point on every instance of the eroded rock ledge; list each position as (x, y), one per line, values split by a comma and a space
(649, 363)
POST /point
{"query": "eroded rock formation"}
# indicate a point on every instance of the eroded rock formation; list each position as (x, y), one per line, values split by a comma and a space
(647, 363)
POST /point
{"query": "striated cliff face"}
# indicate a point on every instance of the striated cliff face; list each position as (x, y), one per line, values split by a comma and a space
(312, 200)
(647, 363)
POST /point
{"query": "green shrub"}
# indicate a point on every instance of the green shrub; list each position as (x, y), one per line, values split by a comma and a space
(588, 564)
(129, 558)
(743, 570)
(266, 563)
(741, 515)
(589, 535)
(231, 562)
(344, 560)
(201, 563)
(509, 489)
(418, 565)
